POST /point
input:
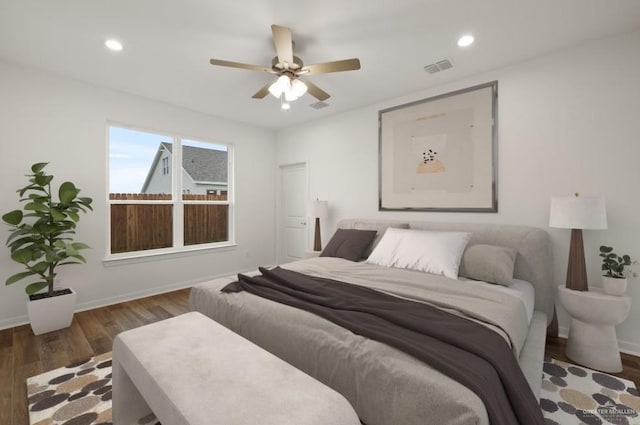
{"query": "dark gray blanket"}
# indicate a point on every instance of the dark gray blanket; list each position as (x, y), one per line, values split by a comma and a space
(459, 348)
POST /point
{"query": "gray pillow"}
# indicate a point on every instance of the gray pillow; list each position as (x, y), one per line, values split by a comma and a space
(380, 228)
(489, 263)
(349, 244)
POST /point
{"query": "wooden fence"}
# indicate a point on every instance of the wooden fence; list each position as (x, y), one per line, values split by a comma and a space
(137, 227)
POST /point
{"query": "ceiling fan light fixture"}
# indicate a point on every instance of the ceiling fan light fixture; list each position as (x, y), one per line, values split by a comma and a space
(289, 68)
(290, 96)
(281, 85)
(298, 88)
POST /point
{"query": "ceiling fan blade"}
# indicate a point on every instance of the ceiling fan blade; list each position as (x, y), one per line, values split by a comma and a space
(326, 67)
(260, 94)
(284, 44)
(230, 64)
(316, 91)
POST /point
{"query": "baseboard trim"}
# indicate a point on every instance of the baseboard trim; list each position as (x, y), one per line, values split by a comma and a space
(12, 322)
(627, 347)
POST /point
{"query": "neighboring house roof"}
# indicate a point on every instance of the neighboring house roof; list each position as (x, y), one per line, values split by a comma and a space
(205, 165)
(202, 165)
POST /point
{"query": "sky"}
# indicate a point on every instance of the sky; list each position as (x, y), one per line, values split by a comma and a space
(131, 154)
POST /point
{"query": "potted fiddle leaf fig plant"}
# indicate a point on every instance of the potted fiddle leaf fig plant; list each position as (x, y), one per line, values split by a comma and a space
(615, 269)
(41, 240)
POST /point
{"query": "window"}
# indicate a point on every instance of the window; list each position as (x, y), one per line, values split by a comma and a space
(165, 166)
(153, 208)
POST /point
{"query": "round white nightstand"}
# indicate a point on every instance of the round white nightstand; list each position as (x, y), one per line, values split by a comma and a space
(592, 337)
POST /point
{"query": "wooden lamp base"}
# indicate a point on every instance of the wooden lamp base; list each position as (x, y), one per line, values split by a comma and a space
(317, 243)
(576, 269)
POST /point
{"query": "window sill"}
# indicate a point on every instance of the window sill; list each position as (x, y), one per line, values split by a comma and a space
(163, 254)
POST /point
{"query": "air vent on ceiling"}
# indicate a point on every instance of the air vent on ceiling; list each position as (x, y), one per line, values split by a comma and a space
(440, 65)
(319, 105)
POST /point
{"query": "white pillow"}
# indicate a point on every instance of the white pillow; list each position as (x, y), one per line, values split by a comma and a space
(428, 251)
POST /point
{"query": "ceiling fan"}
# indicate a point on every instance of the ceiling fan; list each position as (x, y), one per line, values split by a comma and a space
(290, 69)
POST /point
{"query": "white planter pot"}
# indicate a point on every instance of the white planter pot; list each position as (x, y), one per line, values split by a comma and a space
(614, 285)
(51, 314)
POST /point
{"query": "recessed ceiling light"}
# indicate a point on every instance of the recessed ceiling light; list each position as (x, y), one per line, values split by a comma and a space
(465, 40)
(113, 45)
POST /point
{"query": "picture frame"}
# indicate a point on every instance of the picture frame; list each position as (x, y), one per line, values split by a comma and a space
(440, 153)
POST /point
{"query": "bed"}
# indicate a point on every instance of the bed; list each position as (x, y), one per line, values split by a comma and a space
(384, 385)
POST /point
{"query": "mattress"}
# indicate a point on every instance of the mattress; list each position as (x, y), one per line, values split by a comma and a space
(384, 385)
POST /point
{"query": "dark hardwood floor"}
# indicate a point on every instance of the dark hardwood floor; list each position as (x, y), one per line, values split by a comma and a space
(23, 354)
(92, 332)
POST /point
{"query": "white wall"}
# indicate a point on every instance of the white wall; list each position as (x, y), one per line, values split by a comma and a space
(567, 122)
(47, 118)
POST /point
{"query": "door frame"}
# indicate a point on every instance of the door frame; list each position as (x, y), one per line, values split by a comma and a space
(279, 222)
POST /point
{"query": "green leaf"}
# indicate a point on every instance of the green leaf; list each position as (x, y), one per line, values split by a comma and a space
(14, 217)
(57, 215)
(45, 228)
(40, 267)
(37, 167)
(43, 180)
(18, 232)
(22, 191)
(36, 206)
(70, 251)
(22, 255)
(80, 245)
(35, 287)
(17, 277)
(79, 257)
(67, 193)
(18, 243)
(73, 215)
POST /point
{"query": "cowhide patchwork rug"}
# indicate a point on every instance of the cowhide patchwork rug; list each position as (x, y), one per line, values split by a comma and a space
(80, 394)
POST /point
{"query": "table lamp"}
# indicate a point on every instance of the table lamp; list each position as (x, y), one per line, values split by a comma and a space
(577, 213)
(318, 209)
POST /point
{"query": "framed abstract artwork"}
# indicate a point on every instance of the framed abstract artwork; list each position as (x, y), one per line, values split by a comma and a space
(440, 154)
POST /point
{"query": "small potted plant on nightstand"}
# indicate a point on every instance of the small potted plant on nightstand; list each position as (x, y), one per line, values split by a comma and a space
(41, 241)
(616, 270)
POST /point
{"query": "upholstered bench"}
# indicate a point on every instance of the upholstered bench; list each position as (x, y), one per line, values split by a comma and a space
(190, 370)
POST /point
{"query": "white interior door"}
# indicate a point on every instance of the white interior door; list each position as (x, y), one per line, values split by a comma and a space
(293, 212)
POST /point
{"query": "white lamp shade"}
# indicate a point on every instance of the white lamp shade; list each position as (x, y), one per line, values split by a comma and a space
(317, 208)
(298, 88)
(281, 85)
(290, 96)
(578, 212)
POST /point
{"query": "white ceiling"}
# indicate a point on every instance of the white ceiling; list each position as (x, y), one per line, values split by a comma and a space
(168, 44)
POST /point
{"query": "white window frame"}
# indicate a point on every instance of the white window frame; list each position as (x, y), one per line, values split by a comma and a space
(176, 200)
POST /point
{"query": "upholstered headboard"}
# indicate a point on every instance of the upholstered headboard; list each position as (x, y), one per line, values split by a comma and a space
(534, 262)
